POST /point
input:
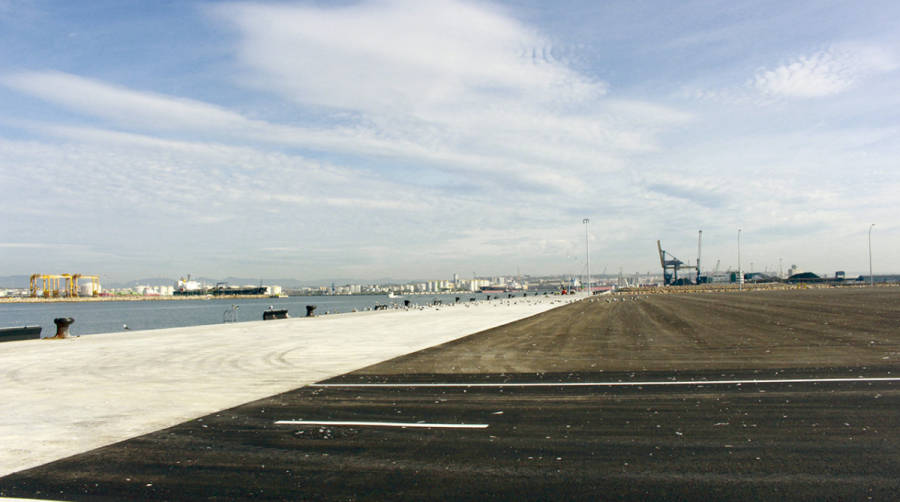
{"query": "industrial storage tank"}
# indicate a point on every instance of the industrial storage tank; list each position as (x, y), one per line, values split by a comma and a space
(89, 289)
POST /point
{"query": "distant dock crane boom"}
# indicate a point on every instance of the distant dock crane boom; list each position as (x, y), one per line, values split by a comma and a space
(668, 261)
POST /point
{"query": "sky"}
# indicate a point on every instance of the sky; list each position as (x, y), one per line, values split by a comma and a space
(417, 139)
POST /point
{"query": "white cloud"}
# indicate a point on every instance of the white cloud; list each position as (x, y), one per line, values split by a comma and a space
(488, 142)
(444, 129)
(450, 82)
(124, 105)
(26, 245)
(456, 87)
(400, 56)
(824, 73)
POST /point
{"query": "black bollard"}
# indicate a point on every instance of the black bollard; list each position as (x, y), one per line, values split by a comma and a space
(310, 311)
(62, 326)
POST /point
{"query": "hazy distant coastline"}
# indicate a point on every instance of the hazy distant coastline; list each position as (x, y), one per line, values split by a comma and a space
(135, 298)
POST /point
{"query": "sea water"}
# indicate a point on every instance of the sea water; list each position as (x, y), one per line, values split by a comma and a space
(114, 316)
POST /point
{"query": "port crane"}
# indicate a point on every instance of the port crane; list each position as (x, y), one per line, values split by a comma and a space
(671, 263)
(49, 285)
(56, 285)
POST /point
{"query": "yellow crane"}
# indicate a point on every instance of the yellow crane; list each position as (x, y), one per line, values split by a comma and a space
(73, 285)
(48, 285)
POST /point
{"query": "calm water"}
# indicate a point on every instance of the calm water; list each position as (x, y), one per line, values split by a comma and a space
(108, 317)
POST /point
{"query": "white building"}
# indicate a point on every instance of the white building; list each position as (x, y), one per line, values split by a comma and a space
(89, 289)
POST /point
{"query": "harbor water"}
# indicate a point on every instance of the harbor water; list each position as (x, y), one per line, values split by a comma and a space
(114, 316)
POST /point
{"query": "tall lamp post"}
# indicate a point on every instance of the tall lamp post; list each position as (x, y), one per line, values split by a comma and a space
(587, 224)
(740, 277)
(871, 277)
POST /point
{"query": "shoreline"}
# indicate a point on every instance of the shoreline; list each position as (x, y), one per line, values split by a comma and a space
(138, 298)
(127, 298)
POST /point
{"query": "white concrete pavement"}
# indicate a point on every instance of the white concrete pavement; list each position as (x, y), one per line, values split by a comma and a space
(63, 397)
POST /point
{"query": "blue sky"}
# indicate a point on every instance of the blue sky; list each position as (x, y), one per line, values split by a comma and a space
(414, 139)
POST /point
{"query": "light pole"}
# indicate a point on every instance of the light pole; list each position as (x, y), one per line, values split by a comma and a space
(740, 277)
(587, 224)
(871, 277)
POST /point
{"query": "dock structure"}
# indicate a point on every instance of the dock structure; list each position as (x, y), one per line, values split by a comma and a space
(788, 394)
(63, 397)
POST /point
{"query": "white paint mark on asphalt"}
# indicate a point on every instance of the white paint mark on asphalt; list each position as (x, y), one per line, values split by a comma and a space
(420, 425)
(609, 384)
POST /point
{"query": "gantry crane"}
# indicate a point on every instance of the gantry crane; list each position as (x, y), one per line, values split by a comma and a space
(73, 285)
(50, 284)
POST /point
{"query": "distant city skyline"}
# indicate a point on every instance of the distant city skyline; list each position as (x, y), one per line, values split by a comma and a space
(393, 138)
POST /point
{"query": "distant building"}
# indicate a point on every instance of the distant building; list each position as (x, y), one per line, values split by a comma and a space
(89, 289)
(804, 277)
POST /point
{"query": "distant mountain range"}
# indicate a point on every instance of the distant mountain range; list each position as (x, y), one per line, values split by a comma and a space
(15, 281)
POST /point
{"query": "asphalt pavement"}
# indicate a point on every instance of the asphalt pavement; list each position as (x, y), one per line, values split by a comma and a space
(440, 424)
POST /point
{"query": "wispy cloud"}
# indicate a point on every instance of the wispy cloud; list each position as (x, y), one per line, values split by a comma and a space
(427, 56)
(365, 135)
(487, 140)
(823, 73)
(143, 109)
(465, 82)
(26, 245)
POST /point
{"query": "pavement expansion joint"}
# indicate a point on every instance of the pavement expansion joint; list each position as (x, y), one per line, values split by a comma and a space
(860, 379)
(420, 425)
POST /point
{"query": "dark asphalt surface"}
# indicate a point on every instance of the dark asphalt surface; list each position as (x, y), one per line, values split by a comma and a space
(748, 441)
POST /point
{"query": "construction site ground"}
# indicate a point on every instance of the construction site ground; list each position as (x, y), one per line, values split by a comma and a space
(775, 395)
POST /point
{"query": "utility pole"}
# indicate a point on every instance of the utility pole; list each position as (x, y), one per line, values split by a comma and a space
(740, 277)
(699, 243)
(587, 248)
(871, 277)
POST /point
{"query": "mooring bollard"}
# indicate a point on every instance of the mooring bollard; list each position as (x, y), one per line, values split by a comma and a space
(310, 311)
(62, 326)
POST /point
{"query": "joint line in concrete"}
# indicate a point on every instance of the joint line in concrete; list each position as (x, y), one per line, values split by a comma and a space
(608, 384)
(383, 424)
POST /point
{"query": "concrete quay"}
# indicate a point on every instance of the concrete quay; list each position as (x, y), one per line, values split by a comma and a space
(769, 395)
(64, 397)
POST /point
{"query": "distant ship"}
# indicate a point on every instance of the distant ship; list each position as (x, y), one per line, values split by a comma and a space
(223, 291)
(187, 287)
